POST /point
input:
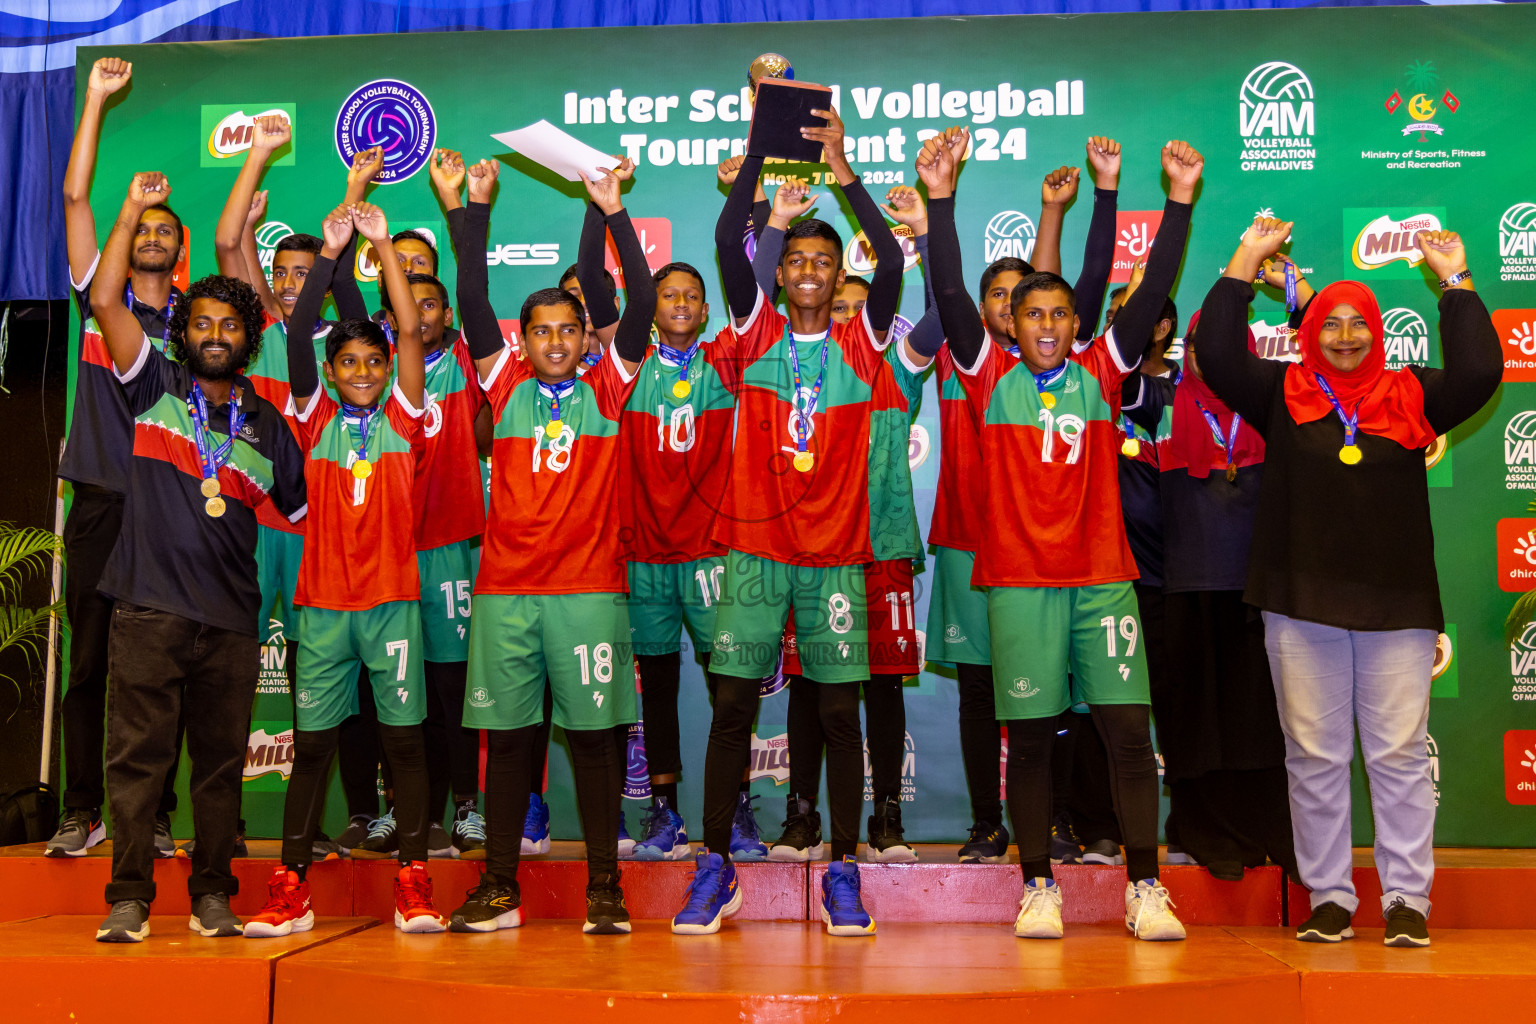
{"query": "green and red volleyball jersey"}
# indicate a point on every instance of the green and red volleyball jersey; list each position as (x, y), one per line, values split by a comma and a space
(268, 373)
(772, 510)
(1051, 487)
(448, 501)
(893, 529)
(675, 458)
(554, 521)
(360, 549)
(957, 514)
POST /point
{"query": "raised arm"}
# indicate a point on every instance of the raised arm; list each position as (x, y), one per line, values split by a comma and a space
(268, 134)
(602, 308)
(108, 75)
(303, 378)
(1099, 250)
(120, 329)
(482, 333)
(254, 274)
(735, 268)
(904, 204)
(885, 287)
(410, 361)
(793, 198)
(1056, 194)
(761, 210)
(1239, 377)
(1136, 319)
(1469, 345)
(957, 313)
(350, 304)
(633, 332)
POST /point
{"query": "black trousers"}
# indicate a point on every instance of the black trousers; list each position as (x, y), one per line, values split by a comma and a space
(453, 752)
(360, 756)
(90, 532)
(164, 667)
(885, 722)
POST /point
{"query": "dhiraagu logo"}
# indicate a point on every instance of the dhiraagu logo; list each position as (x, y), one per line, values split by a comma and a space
(227, 131)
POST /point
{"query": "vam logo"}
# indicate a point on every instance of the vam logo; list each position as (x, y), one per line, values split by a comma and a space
(1520, 451)
(1517, 243)
(1522, 664)
(1517, 554)
(267, 237)
(1277, 118)
(1388, 238)
(908, 772)
(1407, 338)
(1517, 333)
(228, 130)
(1009, 233)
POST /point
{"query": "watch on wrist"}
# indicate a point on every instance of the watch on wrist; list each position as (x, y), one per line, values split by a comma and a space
(1455, 279)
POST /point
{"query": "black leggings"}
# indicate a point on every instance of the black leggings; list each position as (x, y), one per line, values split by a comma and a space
(981, 742)
(597, 761)
(312, 753)
(659, 685)
(885, 718)
(452, 750)
(1127, 733)
(360, 755)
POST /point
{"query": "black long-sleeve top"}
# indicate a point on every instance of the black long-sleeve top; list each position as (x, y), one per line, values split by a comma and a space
(1345, 546)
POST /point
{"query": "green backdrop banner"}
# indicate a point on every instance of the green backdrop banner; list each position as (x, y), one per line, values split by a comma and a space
(1360, 124)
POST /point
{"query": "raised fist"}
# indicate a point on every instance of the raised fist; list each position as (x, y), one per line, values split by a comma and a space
(108, 75)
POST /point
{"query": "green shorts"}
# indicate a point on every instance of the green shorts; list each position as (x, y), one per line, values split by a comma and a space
(447, 581)
(1043, 634)
(277, 574)
(665, 598)
(830, 627)
(957, 612)
(579, 641)
(387, 639)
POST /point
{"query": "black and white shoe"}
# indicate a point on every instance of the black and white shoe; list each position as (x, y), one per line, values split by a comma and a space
(606, 912)
(79, 830)
(128, 922)
(212, 918)
(801, 839)
(1329, 923)
(887, 844)
(490, 906)
(1066, 848)
(439, 844)
(1405, 926)
(354, 834)
(988, 844)
(1102, 851)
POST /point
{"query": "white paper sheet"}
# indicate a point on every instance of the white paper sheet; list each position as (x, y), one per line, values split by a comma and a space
(558, 150)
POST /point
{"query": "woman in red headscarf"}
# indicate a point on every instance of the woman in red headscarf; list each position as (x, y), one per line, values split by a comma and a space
(1342, 562)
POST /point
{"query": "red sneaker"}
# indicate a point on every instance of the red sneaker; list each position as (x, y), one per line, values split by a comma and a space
(414, 911)
(287, 910)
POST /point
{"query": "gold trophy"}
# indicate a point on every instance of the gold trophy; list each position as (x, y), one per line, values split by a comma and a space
(769, 65)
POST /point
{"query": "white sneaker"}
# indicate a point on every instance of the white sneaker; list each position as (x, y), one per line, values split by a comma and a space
(1039, 910)
(1149, 912)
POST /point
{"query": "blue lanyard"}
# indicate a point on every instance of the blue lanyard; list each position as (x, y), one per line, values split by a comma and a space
(555, 392)
(591, 359)
(802, 422)
(683, 357)
(170, 307)
(1290, 287)
(1228, 443)
(364, 417)
(211, 456)
(1130, 428)
(1351, 423)
(1043, 381)
(432, 359)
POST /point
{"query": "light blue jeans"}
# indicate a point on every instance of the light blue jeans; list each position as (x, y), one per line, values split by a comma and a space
(1327, 681)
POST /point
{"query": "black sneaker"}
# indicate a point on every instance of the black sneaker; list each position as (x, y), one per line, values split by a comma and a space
(438, 843)
(801, 839)
(212, 918)
(79, 830)
(186, 848)
(1066, 848)
(887, 845)
(353, 835)
(128, 922)
(1101, 851)
(1329, 923)
(468, 834)
(323, 848)
(165, 846)
(383, 841)
(606, 913)
(1405, 926)
(490, 906)
(988, 844)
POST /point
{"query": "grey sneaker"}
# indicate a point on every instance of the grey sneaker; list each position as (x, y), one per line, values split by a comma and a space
(165, 846)
(212, 918)
(439, 843)
(128, 922)
(79, 830)
(1102, 851)
(323, 848)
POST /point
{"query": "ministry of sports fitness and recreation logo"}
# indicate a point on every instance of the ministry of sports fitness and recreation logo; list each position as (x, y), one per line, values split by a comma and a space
(267, 753)
(1422, 107)
(637, 771)
(1516, 539)
(908, 771)
(391, 114)
(1517, 243)
(228, 130)
(770, 758)
(1520, 453)
(1277, 118)
(1520, 766)
(1517, 337)
(1134, 233)
(1009, 233)
(1407, 338)
(859, 258)
(1384, 242)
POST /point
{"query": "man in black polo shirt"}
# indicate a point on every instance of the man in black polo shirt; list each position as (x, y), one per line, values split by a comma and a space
(207, 449)
(96, 463)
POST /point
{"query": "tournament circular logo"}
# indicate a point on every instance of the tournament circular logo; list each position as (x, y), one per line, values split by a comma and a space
(393, 115)
(637, 771)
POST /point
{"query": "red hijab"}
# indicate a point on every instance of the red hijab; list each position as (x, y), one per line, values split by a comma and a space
(1390, 402)
(1193, 445)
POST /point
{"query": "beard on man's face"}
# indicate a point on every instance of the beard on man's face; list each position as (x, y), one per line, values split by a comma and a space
(217, 362)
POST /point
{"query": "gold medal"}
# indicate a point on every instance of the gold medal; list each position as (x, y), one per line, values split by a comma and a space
(362, 469)
(804, 461)
(1047, 399)
(1349, 454)
(1131, 448)
(682, 389)
(1231, 473)
(210, 487)
(214, 506)
(554, 428)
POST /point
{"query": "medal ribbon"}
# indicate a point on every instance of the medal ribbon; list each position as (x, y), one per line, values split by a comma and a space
(364, 418)
(554, 391)
(1290, 287)
(683, 357)
(1043, 381)
(1130, 429)
(170, 307)
(211, 456)
(1351, 423)
(1227, 443)
(591, 359)
(802, 422)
